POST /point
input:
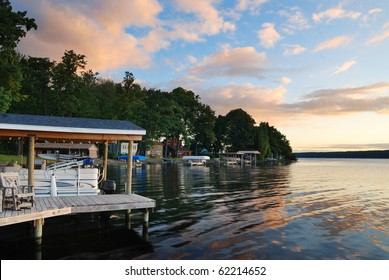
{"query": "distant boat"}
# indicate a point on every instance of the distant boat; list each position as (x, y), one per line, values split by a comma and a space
(169, 160)
(195, 160)
(231, 160)
(135, 157)
(59, 156)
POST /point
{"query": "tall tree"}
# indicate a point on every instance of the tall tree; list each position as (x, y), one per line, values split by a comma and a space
(13, 27)
(221, 138)
(188, 105)
(204, 127)
(36, 86)
(67, 84)
(262, 142)
(239, 130)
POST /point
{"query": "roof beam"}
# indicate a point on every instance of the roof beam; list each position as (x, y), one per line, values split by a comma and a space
(59, 136)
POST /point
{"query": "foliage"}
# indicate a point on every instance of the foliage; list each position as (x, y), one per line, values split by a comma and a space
(239, 128)
(13, 26)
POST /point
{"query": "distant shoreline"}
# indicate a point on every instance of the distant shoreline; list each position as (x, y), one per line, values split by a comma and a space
(384, 154)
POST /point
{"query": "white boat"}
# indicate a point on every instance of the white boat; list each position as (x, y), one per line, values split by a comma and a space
(231, 160)
(69, 182)
(58, 156)
(195, 160)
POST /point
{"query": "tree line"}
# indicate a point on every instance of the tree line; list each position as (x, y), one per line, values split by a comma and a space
(41, 86)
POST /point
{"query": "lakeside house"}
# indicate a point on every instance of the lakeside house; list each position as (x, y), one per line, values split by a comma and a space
(155, 151)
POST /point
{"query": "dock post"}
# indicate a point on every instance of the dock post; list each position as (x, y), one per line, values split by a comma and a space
(145, 229)
(128, 219)
(31, 161)
(105, 163)
(129, 181)
(146, 215)
(129, 168)
(38, 231)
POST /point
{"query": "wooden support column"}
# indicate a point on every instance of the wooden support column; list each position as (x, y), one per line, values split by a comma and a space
(38, 231)
(105, 162)
(129, 168)
(31, 161)
(145, 228)
(129, 181)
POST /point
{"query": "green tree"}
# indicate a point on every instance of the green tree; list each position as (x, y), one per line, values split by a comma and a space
(221, 139)
(188, 105)
(161, 116)
(67, 84)
(204, 128)
(13, 27)
(239, 129)
(262, 142)
(36, 86)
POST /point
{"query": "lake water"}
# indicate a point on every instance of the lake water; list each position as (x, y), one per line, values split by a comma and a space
(311, 209)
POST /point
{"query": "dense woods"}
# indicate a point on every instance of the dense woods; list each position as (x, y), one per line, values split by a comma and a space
(36, 85)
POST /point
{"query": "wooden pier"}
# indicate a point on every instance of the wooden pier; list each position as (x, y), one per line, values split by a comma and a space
(48, 207)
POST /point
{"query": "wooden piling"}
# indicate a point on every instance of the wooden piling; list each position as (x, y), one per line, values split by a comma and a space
(38, 231)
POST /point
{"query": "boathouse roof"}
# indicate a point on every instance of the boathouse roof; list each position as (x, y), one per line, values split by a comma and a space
(51, 127)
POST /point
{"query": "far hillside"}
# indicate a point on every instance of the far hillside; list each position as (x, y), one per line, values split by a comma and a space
(348, 154)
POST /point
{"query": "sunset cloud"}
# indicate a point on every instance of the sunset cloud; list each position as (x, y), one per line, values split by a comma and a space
(251, 5)
(268, 35)
(260, 102)
(346, 66)
(286, 80)
(293, 50)
(100, 30)
(381, 36)
(233, 63)
(372, 98)
(63, 28)
(335, 13)
(209, 20)
(334, 43)
(296, 20)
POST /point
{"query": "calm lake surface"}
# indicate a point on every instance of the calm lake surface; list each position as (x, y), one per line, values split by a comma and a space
(311, 209)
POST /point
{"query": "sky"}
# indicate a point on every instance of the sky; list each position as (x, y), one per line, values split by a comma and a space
(316, 70)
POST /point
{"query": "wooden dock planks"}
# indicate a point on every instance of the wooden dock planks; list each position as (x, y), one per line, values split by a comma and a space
(46, 207)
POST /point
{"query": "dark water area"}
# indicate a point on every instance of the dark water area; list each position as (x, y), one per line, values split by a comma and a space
(312, 209)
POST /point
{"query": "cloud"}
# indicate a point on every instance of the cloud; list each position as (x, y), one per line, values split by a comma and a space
(335, 13)
(286, 80)
(232, 63)
(372, 98)
(293, 50)
(114, 34)
(381, 36)
(261, 102)
(296, 20)
(375, 11)
(334, 43)
(191, 59)
(209, 21)
(95, 30)
(251, 5)
(268, 35)
(346, 66)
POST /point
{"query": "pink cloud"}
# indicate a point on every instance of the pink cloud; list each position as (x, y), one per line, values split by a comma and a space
(232, 62)
(334, 43)
(268, 35)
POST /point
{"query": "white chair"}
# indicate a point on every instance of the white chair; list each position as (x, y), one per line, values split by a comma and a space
(13, 194)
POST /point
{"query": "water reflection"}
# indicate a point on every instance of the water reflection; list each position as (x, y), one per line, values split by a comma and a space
(313, 209)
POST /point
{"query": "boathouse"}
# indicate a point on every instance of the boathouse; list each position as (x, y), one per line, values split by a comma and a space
(35, 128)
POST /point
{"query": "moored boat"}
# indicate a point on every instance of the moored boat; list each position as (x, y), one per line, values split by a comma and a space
(195, 160)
